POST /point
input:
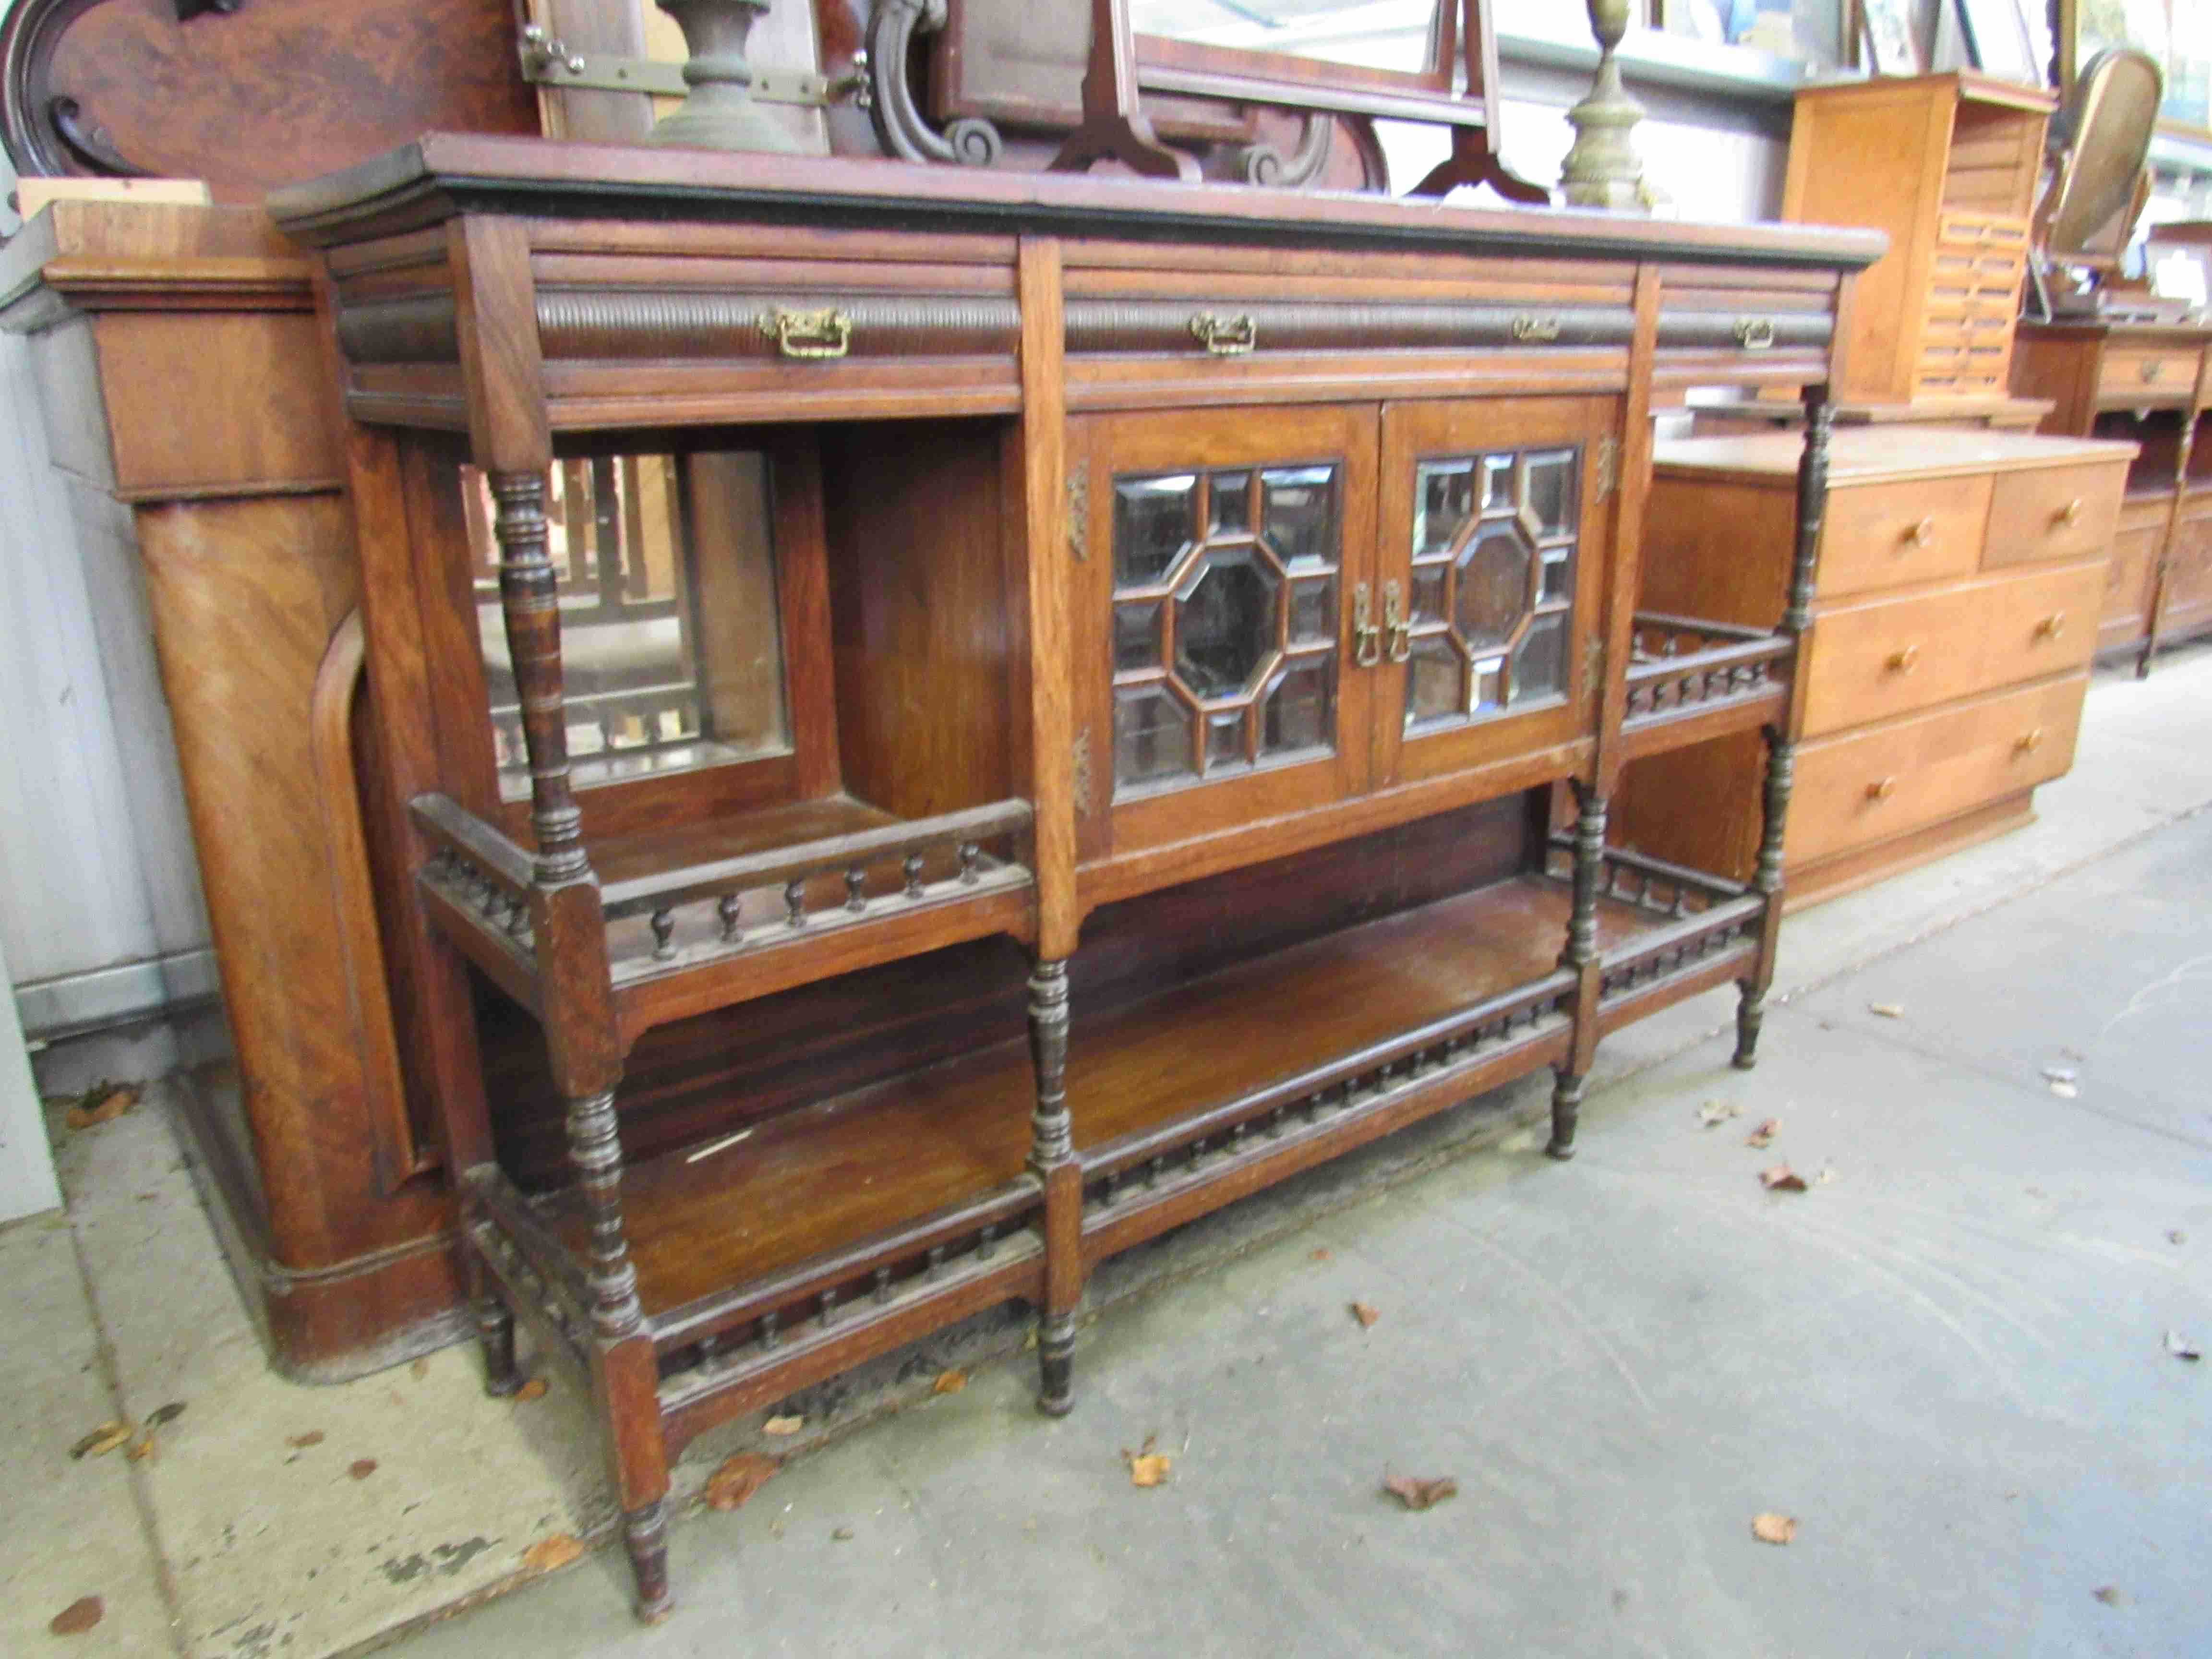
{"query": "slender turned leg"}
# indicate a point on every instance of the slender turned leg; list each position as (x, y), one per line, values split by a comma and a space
(1750, 1015)
(1052, 1155)
(1581, 955)
(495, 1331)
(645, 1535)
(1766, 879)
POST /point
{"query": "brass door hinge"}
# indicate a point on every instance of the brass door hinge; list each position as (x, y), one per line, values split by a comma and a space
(547, 62)
(1078, 515)
(1608, 466)
(1082, 772)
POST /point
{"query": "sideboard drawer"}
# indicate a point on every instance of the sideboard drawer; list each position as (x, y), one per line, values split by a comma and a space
(2065, 512)
(1890, 535)
(2145, 375)
(2127, 585)
(1868, 786)
(1893, 657)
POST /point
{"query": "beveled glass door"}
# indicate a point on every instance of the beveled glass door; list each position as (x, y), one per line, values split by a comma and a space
(1222, 577)
(1493, 543)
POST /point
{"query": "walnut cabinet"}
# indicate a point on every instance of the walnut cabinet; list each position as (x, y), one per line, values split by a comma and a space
(931, 726)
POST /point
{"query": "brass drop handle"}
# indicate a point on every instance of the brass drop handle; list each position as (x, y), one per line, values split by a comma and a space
(1532, 328)
(1905, 662)
(2149, 370)
(1225, 337)
(2072, 512)
(2051, 626)
(1923, 534)
(819, 334)
(1366, 637)
(1882, 789)
(1755, 333)
(1400, 626)
(2028, 742)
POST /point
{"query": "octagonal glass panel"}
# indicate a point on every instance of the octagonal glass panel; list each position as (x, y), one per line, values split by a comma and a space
(1225, 623)
(1153, 520)
(1495, 577)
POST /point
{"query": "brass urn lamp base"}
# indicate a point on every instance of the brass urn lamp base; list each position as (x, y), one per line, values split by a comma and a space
(1602, 170)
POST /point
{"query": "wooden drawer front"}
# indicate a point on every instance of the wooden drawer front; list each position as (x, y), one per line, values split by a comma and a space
(1997, 233)
(1871, 661)
(2065, 512)
(2145, 375)
(2127, 583)
(1870, 785)
(1890, 535)
(1972, 281)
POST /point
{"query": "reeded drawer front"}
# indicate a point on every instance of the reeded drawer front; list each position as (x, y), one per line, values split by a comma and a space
(1891, 535)
(2147, 375)
(1871, 661)
(2068, 511)
(1868, 786)
(1234, 327)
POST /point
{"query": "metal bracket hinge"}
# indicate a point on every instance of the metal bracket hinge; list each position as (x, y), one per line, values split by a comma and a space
(1078, 515)
(547, 62)
(1608, 463)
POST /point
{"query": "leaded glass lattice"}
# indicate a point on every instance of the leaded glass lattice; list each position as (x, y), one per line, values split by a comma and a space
(1224, 629)
(1494, 543)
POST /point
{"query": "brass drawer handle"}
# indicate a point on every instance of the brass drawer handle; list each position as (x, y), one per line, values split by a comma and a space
(2072, 512)
(1882, 789)
(2147, 371)
(1530, 328)
(1366, 637)
(2028, 742)
(815, 334)
(1905, 662)
(1225, 337)
(1755, 333)
(1923, 534)
(2051, 626)
(1400, 626)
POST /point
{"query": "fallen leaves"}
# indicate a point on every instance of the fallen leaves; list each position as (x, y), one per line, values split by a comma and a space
(1714, 1113)
(1886, 1010)
(78, 1617)
(2108, 1594)
(419, 1369)
(1148, 1467)
(949, 1381)
(1366, 1314)
(1781, 1178)
(165, 1414)
(840, 1535)
(783, 1426)
(2182, 1347)
(533, 1389)
(1764, 1134)
(103, 1103)
(1769, 1527)
(2175, 1235)
(1321, 1255)
(554, 1550)
(301, 1442)
(738, 1478)
(1420, 1492)
(362, 1468)
(101, 1441)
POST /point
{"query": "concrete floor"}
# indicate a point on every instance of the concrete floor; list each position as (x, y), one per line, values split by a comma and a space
(1947, 1360)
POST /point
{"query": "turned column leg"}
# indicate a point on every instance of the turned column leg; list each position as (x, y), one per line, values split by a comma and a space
(1052, 1155)
(1581, 955)
(1767, 879)
(645, 1536)
(494, 1328)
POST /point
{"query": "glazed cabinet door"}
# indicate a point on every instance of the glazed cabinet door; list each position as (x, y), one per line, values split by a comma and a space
(1491, 561)
(1223, 577)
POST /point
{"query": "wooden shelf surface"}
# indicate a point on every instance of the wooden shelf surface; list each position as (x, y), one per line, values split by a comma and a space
(653, 852)
(877, 1159)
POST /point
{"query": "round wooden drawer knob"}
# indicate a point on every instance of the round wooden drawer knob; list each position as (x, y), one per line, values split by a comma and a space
(1905, 662)
(1923, 534)
(1882, 789)
(2051, 626)
(2072, 512)
(2028, 742)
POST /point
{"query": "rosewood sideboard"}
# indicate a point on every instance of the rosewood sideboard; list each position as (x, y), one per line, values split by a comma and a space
(935, 726)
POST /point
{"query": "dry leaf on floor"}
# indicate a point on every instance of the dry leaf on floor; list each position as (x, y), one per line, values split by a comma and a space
(1321, 1255)
(783, 1426)
(101, 1103)
(738, 1478)
(141, 1448)
(2108, 1594)
(1715, 1112)
(2175, 1235)
(101, 1441)
(949, 1382)
(1366, 1314)
(362, 1468)
(1765, 1132)
(78, 1617)
(840, 1535)
(555, 1549)
(2181, 1347)
(1772, 1529)
(1886, 1010)
(419, 1369)
(161, 1414)
(1420, 1493)
(1782, 1179)
(533, 1389)
(1146, 1467)
(1029, 1342)
(301, 1442)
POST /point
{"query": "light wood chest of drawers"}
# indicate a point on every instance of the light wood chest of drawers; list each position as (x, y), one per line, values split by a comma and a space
(1960, 579)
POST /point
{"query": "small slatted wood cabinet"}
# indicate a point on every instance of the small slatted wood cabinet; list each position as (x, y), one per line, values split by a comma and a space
(935, 726)
(1947, 165)
(1961, 578)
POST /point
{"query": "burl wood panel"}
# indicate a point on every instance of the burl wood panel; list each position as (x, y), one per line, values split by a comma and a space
(279, 90)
